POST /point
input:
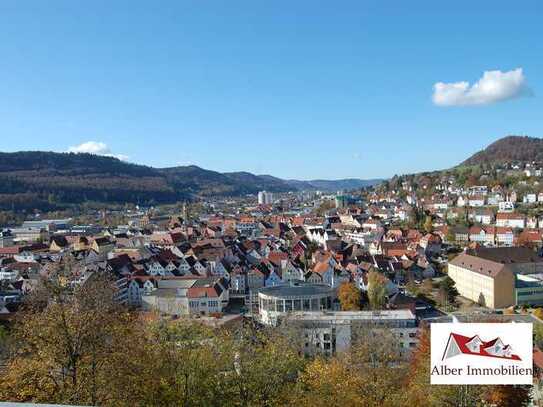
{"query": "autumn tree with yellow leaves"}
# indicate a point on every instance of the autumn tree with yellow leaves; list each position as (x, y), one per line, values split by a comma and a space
(377, 290)
(266, 364)
(328, 383)
(365, 375)
(538, 313)
(76, 345)
(66, 344)
(349, 297)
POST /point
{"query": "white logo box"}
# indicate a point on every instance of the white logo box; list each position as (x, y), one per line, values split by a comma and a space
(475, 353)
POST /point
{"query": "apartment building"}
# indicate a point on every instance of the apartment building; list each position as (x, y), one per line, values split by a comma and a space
(488, 276)
(330, 332)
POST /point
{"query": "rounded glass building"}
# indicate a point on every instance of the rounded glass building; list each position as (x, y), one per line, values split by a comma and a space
(296, 296)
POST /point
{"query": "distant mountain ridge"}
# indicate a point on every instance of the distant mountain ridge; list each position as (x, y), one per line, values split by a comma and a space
(509, 149)
(36, 179)
(333, 185)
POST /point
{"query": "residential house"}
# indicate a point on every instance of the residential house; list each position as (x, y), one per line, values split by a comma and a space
(529, 198)
(476, 201)
(460, 233)
(513, 220)
(483, 235)
(58, 244)
(506, 206)
(102, 245)
(481, 215)
(504, 236)
(431, 243)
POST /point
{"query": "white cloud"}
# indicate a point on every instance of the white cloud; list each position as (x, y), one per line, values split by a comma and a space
(494, 86)
(92, 147)
(183, 163)
(96, 147)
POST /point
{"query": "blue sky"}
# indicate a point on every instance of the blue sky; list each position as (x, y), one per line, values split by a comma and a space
(296, 89)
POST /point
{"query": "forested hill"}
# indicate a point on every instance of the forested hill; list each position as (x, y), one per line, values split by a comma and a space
(509, 149)
(47, 180)
(44, 180)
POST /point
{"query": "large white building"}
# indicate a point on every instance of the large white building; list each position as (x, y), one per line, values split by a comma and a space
(329, 332)
(49, 225)
(265, 198)
(29, 234)
(498, 277)
(278, 301)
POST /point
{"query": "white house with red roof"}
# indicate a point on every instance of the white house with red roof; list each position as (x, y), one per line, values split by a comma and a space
(187, 295)
(513, 220)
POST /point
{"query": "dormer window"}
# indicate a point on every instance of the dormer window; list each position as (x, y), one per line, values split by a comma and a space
(474, 344)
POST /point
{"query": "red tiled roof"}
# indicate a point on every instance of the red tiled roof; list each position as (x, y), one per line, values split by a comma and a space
(199, 292)
(276, 257)
(506, 215)
(503, 230)
(10, 250)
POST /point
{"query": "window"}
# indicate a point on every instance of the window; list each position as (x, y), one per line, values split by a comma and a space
(326, 337)
(288, 305)
(323, 303)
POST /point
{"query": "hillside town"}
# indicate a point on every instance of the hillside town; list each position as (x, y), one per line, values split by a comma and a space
(258, 204)
(218, 260)
(412, 255)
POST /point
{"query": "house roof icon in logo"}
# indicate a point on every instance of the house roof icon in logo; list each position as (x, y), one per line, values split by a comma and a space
(460, 344)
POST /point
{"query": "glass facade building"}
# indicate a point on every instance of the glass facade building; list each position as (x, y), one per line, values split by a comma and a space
(297, 296)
